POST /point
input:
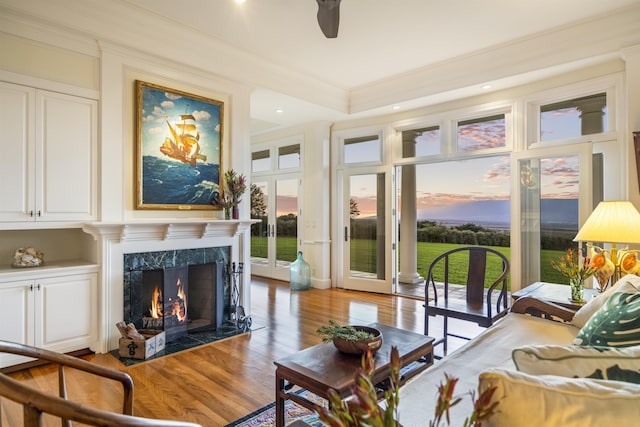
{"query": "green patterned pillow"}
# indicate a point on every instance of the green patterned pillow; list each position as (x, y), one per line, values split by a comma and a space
(615, 324)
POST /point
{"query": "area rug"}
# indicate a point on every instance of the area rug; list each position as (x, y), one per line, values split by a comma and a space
(266, 416)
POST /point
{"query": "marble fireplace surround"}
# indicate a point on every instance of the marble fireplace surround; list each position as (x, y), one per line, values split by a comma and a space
(117, 239)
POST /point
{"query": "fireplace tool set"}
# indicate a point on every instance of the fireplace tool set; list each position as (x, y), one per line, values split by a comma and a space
(237, 314)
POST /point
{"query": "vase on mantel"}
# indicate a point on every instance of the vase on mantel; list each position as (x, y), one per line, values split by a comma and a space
(227, 213)
(577, 289)
(235, 212)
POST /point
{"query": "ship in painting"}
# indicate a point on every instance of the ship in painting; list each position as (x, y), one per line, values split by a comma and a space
(183, 144)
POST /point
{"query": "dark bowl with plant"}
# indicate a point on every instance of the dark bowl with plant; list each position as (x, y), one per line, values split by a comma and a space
(351, 339)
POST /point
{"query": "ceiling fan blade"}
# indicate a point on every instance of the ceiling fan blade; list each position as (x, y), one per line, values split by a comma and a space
(329, 17)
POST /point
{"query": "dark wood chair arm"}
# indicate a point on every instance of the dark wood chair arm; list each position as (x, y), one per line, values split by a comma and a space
(544, 309)
(64, 360)
(36, 402)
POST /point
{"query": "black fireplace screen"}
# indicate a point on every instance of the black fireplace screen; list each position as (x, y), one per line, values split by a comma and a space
(180, 300)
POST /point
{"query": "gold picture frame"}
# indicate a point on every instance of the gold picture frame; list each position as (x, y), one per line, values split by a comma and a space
(178, 148)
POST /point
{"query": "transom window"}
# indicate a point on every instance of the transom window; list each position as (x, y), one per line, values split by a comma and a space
(362, 150)
(289, 156)
(482, 133)
(421, 142)
(572, 118)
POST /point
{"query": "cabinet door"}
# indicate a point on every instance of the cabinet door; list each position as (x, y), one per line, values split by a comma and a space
(16, 317)
(17, 161)
(67, 145)
(66, 309)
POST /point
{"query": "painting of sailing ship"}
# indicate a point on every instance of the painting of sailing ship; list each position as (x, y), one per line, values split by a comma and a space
(179, 148)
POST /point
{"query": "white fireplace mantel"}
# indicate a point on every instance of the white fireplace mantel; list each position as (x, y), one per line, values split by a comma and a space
(169, 229)
(118, 238)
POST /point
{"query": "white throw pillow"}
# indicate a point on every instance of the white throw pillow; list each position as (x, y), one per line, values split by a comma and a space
(629, 284)
(551, 401)
(608, 363)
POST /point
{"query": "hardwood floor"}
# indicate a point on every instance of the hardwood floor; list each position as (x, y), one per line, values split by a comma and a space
(220, 382)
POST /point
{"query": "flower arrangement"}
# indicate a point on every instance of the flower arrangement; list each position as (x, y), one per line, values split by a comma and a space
(570, 265)
(236, 185)
(577, 270)
(222, 200)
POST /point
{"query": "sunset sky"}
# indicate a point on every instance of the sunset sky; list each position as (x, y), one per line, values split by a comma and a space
(488, 178)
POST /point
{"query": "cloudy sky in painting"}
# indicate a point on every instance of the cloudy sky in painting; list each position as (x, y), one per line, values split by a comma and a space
(159, 107)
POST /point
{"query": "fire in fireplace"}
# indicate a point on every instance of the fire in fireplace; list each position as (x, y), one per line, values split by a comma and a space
(180, 300)
(165, 292)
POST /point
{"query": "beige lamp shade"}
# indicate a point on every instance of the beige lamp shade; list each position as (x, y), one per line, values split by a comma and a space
(612, 221)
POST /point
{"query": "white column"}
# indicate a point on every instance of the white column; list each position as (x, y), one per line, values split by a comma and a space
(591, 114)
(408, 217)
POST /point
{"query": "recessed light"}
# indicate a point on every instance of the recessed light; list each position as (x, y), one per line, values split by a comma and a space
(279, 110)
(240, 1)
(396, 107)
(487, 86)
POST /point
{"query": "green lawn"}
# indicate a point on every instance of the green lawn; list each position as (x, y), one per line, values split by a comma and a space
(363, 256)
(286, 248)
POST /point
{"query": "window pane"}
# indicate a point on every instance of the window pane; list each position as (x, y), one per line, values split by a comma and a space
(573, 118)
(260, 161)
(287, 221)
(260, 230)
(359, 150)
(366, 229)
(482, 133)
(289, 157)
(421, 142)
(549, 211)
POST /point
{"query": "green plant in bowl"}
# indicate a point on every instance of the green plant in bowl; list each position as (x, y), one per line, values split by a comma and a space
(351, 339)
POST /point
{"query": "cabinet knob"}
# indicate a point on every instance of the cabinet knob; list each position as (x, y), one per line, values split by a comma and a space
(39, 213)
(31, 214)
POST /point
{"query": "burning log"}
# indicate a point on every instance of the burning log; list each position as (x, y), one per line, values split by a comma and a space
(152, 322)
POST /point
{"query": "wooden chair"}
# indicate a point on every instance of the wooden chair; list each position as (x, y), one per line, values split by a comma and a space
(36, 402)
(476, 306)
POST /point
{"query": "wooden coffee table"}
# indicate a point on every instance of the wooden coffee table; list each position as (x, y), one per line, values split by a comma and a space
(321, 367)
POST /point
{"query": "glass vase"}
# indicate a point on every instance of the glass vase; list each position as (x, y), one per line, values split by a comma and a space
(577, 289)
(300, 274)
(227, 213)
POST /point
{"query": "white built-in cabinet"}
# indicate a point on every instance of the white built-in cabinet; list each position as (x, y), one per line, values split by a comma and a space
(54, 308)
(49, 155)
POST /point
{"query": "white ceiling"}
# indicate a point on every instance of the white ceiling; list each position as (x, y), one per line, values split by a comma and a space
(377, 39)
(383, 46)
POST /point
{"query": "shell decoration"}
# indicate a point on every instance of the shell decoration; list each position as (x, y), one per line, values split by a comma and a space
(604, 268)
(629, 262)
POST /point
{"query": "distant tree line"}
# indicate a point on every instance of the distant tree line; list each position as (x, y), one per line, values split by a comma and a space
(465, 234)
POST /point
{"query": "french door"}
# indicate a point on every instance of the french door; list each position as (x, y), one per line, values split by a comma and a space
(366, 231)
(274, 240)
(555, 194)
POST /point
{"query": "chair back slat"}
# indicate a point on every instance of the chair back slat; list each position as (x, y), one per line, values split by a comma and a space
(476, 275)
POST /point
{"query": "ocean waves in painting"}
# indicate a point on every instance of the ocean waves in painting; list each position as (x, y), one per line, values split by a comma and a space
(168, 182)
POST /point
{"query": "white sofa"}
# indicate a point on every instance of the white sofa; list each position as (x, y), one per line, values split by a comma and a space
(525, 399)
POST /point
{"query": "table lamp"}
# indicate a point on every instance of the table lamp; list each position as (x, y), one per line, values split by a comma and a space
(612, 222)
